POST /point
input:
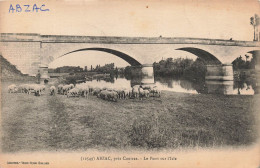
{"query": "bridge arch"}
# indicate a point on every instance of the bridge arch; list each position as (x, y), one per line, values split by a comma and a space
(215, 69)
(207, 57)
(147, 69)
(127, 58)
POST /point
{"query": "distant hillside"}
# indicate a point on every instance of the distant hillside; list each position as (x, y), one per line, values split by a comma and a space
(9, 71)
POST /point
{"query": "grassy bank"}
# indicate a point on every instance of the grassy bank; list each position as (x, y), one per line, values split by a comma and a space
(173, 121)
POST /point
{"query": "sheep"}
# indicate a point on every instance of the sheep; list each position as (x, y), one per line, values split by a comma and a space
(141, 93)
(83, 89)
(127, 93)
(136, 86)
(108, 95)
(42, 87)
(146, 93)
(22, 88)
(91, 88)
(146, 87)
(60, 89)
(109, 91)
(146, 90)
(71, 86)
(156, 91)
(135, 92)
(112, 96)
(103, 94)
(52, 90)
(31, 88)
(104, 88)
(26, 88)
(96, 91)
(73, 92)
(12, 88)
(120, 93)
(37, 90)
(66, 88)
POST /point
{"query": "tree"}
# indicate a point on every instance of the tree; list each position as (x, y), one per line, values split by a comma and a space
(116, 71)
(254, 21)
(97, 68)
(238, 63)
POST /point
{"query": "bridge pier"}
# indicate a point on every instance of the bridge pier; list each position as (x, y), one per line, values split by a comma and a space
(147, 74)
(44, 72)
(223, 72)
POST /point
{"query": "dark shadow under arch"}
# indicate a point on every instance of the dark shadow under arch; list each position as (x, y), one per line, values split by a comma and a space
(207, 57)
(256, 56)
(127, 58)
(255, 52)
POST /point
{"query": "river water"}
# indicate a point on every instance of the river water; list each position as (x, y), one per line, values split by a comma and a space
(194, 87)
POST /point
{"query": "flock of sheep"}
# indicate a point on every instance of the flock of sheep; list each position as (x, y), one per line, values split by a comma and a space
(107, 92)
(37, 89)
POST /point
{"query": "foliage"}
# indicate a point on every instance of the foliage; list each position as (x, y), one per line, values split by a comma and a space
(132, 72)
(239, 63)
(74, 78)
(170, 67)
(180, 67)
(107, 68)
(66, 69)
(254, 21)
(197, 70)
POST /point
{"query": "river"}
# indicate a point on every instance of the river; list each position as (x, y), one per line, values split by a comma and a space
(245, 87)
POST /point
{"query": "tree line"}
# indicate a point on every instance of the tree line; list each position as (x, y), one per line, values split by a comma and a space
(240, 63)
(188, 68)
(175, 68)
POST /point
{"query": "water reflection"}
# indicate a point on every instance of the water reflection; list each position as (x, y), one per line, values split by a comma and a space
(246, 87)
(212, 87)
(220, 87)
(183, 86)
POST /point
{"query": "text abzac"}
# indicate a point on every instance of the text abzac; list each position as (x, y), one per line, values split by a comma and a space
(27, 8)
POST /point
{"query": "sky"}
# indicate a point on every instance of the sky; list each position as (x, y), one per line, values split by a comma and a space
(215, 19)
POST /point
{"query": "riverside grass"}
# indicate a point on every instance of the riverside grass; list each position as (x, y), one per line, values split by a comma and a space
(173, 121)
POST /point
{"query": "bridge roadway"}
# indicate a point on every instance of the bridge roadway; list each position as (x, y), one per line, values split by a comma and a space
(23, 37)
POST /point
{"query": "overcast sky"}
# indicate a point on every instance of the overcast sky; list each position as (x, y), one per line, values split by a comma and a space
(218, 19)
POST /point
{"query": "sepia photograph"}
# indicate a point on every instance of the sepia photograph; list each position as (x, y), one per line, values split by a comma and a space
(136, 83)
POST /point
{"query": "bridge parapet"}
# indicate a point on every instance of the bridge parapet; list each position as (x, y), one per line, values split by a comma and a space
(122, 40)
(19, 37)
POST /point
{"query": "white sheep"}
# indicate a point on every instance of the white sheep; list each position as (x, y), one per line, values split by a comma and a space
(52, 90)
(12, 88)
(66, 88)
(73, 92)
(60, 89)
(135, 92)
(83, 89)
(156, 91)
(37, 90)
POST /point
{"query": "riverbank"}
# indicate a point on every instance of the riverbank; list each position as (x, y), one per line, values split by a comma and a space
(175, 120)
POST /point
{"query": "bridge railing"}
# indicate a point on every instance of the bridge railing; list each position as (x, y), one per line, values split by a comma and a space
(122, 40)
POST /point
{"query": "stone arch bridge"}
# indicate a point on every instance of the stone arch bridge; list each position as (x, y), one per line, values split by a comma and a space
(33, 52)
